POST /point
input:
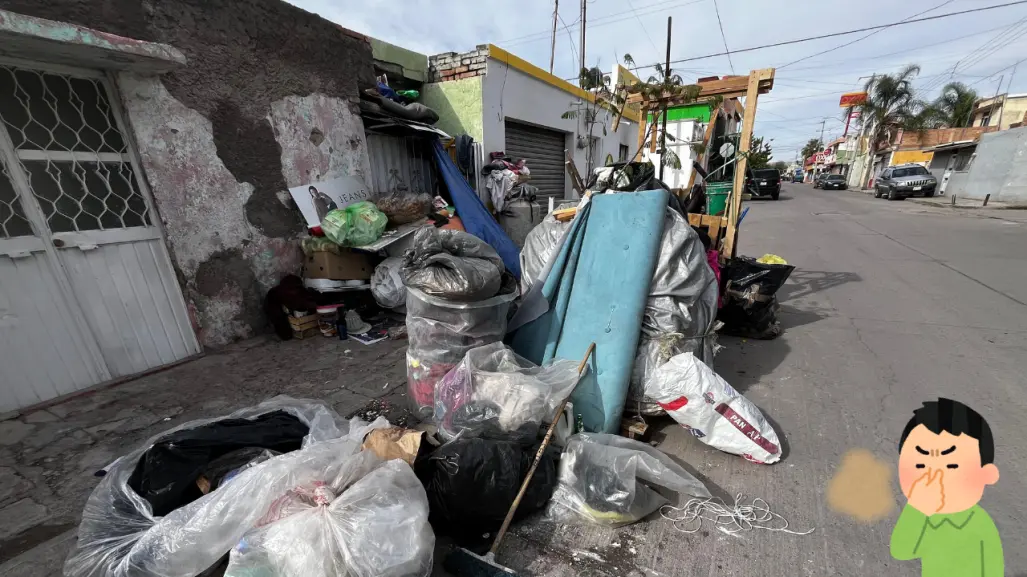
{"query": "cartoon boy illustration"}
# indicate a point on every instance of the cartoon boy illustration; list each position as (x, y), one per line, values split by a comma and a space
(946, 458)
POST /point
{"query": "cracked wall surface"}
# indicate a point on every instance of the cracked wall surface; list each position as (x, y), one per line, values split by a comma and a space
(266, 101)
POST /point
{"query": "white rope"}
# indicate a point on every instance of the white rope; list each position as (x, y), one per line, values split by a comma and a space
(728, 519)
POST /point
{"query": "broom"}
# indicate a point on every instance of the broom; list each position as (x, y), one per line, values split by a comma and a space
(464, 563)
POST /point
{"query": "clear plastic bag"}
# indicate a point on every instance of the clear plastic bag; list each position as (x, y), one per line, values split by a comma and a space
(440, 333)
(605, 480)
(404, 207)
(707, 406)
(365, 518)
(387, 285)
(452, 264)
(120, 537)
(358, 224)
(496, 394)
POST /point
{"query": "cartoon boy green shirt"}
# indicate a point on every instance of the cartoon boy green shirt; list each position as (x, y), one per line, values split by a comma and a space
(946, 458)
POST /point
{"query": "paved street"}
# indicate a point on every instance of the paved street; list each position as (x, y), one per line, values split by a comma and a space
(892, 303)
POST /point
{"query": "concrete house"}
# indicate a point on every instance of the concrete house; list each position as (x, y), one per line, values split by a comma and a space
(147, 150)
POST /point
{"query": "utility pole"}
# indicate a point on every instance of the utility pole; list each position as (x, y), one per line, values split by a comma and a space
(584, 3)
(552, 42)
(1002, 110)
(997, 90)
(666, 70)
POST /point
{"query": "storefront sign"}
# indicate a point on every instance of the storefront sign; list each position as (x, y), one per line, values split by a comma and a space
(850, 99)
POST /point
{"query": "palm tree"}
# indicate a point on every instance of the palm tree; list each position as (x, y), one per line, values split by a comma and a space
(955, 106)
(890, 103)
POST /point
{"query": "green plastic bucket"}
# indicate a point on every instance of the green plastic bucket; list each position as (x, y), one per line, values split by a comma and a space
(716, 196)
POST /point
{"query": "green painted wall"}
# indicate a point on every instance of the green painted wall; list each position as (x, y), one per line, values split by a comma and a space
(700, 112)
(459, 105)
(414, 64)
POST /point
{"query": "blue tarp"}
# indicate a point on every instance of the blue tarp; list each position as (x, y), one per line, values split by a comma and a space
(595, 290)
(472, 212)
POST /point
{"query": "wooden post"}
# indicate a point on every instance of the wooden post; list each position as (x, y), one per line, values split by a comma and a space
(573, 172)
(734, 208)
(642, 123)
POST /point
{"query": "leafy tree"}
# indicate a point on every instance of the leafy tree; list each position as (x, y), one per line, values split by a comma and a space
(759, 153)
(953, 108)
(812, 147)
(780, 166)
(891, 104)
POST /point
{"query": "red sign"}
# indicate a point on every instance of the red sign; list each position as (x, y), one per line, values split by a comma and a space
(850, 99)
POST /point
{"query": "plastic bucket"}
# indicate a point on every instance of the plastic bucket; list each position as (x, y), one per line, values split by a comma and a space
(716, 196)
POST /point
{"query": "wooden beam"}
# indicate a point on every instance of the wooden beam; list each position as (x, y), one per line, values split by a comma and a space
(642, 123)
(706, 141)
(734, 208)
(652, 134)
(728, 87)
(573, 171)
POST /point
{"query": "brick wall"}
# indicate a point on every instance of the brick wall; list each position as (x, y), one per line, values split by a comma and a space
(911, 140)
(454, 65)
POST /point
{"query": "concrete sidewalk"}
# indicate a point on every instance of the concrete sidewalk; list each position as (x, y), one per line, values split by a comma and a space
(965, 203)
(49, 456)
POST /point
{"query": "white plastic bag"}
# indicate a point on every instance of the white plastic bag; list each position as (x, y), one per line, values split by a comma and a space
(120, 537)
(495, 393)
(705, 404)
(367, 518)
(605, 479)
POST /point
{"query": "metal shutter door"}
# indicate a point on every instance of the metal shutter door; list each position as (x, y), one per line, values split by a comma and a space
(544, 152)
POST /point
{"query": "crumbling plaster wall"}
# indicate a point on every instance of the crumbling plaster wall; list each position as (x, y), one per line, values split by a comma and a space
(266, 101)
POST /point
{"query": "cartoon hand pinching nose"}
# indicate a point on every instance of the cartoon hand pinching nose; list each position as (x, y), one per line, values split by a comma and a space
(946, 459)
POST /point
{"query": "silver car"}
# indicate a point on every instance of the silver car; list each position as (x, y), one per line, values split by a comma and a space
(898, 182)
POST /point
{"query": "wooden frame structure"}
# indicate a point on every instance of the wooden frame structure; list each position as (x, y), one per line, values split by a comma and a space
(751, 86)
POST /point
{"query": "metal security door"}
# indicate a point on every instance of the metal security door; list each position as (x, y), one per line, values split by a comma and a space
(543, 150)
(83, 267)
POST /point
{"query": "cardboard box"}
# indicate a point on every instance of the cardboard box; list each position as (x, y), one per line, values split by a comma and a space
(346, 266)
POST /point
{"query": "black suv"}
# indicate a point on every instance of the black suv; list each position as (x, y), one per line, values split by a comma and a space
(764, 182)
(898, 182)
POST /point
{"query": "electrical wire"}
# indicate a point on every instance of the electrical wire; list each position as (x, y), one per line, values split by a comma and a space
(723, 37)
(977, 55)
(863, 37)
(844, 33)
(600, 21)
(729, 519)
(644, 29)
(574, 49)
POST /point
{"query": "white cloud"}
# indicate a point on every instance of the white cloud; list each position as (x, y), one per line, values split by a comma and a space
(805, 93)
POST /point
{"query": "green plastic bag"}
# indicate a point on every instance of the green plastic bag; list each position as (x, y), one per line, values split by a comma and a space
(356, 225)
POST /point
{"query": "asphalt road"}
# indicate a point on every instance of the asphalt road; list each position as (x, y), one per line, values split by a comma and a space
(892, 303)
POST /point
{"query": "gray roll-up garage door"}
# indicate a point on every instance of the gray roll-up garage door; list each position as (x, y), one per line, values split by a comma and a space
(543, 150)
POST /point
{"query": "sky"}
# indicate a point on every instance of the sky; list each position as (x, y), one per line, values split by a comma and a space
(979, 49)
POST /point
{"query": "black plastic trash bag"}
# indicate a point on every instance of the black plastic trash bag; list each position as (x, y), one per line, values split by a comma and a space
(453, 265)
(750, 301)
(166, 474)
(471, 484)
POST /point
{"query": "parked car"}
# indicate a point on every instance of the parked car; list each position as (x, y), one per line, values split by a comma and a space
(836, 181)
(764, 182)
(898, 182)
(819, 180)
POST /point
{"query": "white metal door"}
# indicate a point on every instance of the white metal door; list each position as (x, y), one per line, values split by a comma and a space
(85, 276)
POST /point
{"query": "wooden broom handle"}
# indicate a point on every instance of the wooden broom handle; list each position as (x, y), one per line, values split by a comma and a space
(538, 456)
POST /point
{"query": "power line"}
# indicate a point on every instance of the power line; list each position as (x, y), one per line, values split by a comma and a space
(644, 29)
(863, 37)
(602, 21)
(723, 37)
(975, 56)
(847, 32)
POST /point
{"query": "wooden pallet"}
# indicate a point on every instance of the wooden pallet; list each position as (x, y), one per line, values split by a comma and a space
(714, 224)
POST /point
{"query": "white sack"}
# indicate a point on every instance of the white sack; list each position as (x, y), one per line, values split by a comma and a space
(702, 402)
